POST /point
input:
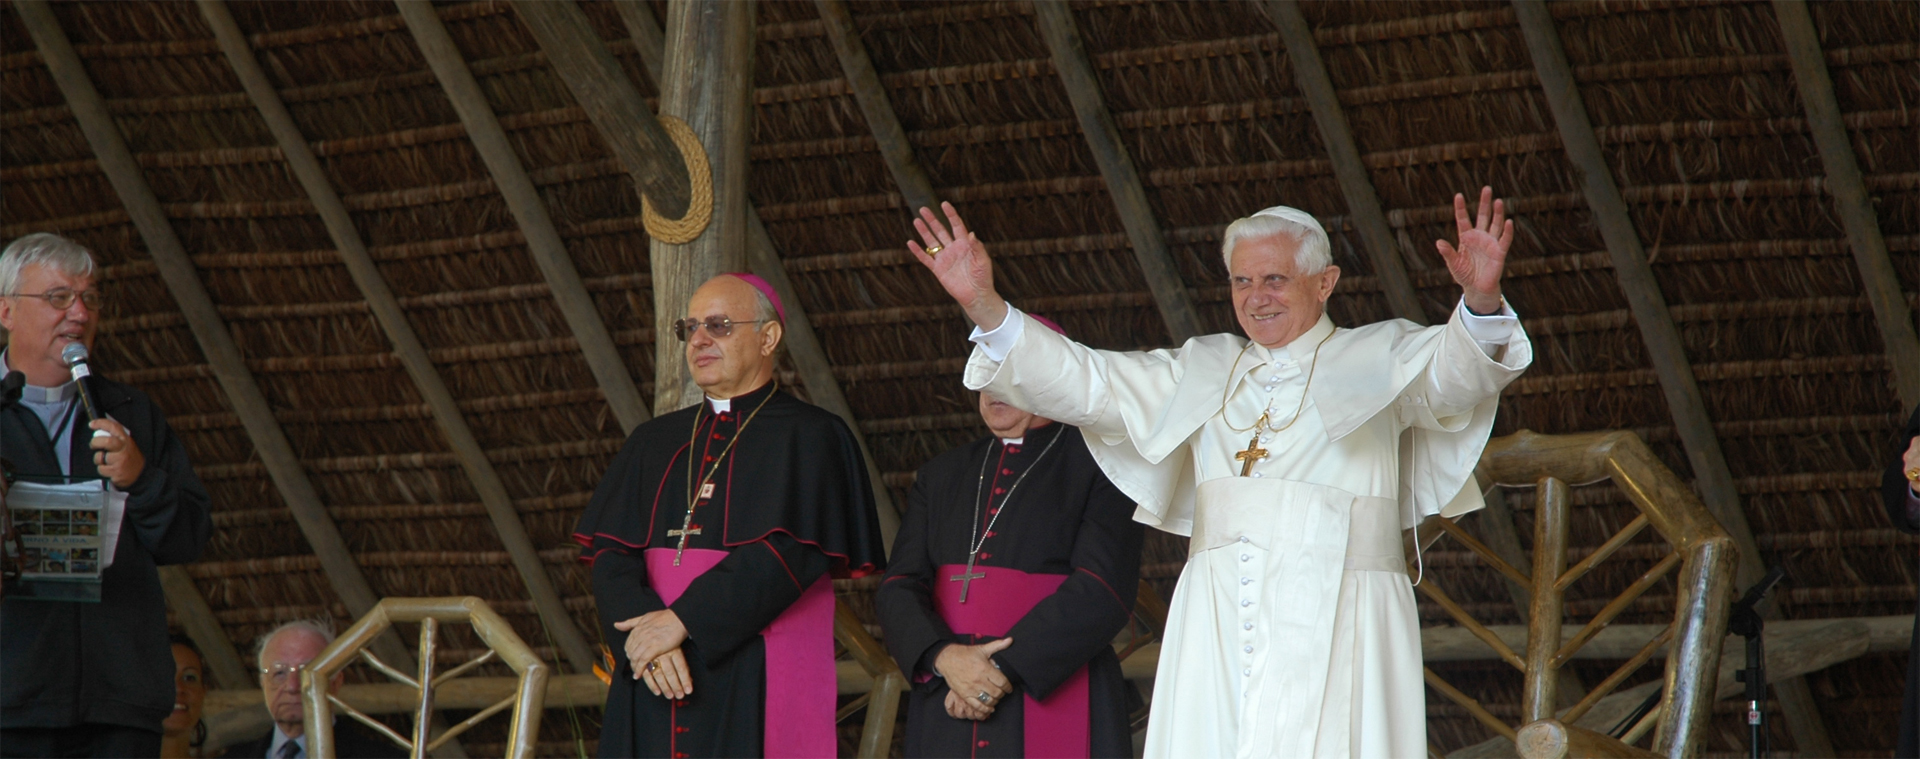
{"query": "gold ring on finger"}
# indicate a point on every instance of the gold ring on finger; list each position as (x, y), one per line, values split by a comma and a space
(935, 250)
(1913, 475)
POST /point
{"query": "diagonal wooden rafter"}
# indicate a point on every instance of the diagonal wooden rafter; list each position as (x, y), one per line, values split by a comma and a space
(803, 344)
(915, 186)
(529, 210)
(1849, 190)
(380, 299)
(196, 617)
(1124, 185)
(203, 319)
(1712, 477)
(1363, 202)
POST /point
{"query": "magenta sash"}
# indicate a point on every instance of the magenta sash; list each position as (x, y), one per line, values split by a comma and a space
(801, 686)
(1056, 728)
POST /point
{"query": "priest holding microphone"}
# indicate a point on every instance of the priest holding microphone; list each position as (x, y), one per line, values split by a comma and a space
(1293, 457)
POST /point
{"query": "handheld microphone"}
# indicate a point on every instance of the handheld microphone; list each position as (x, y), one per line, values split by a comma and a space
(75, 357)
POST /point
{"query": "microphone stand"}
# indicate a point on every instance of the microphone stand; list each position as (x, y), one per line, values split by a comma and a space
(1744, 621)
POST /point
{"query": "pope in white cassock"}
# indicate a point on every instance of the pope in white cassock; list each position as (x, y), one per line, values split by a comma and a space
(1293, 458)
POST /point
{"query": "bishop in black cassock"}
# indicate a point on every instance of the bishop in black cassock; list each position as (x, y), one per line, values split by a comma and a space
(1056, 571)
(728, 518)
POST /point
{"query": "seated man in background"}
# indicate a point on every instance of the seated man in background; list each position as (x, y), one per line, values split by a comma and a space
(76, 678)
(282, 653)
(713, 539)
(1016, 564)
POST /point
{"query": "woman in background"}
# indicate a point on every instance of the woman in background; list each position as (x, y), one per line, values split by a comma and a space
(182, 734)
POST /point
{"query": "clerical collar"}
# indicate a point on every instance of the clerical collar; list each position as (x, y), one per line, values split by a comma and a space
(720, 405)
(1302, 346)
(42, 395)
(1013, 440)
(750, 398)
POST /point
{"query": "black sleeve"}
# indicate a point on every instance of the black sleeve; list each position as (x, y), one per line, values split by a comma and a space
(621, 591)
(1065, 630)
(1895, 489)
(167, 507)
(730, 604)
(915, 631)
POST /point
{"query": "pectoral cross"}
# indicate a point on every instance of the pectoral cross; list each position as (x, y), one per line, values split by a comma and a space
(1253, 453)
(966, 578)
(687, 530)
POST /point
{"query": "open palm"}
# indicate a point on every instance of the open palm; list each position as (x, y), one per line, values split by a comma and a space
(1477, 263)
(958, 258)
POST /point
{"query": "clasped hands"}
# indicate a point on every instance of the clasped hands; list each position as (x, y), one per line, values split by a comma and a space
(969, 672)
(653, 652)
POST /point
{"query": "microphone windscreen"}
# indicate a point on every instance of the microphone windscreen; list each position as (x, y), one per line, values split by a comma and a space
(74, 353)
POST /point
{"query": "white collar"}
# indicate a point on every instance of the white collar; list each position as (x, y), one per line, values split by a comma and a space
(1013, 440)
(720, 405)
(41, 395)
(281, 739)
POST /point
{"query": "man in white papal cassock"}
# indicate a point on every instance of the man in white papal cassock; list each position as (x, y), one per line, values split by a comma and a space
(1293, 458)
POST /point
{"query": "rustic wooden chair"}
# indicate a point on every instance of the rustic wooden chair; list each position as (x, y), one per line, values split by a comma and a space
(1700, 548)
(502, 644)
(883, 701)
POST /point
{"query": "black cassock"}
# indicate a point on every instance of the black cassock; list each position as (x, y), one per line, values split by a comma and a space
(790, 503)
(1064, 518)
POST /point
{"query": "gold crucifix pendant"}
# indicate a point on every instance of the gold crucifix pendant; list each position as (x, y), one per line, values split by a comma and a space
(1253, 453)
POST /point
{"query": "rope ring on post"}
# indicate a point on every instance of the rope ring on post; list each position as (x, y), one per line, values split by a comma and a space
(700, 197)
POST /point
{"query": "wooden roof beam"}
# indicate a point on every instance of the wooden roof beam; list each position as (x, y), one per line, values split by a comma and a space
(204, 629)
(1363, 202)
(803, 344)
(523, 199)
(203, 319)
(1712, 477)
(876, 106)
(1129, 194)
(1850, 197)
(406, 342)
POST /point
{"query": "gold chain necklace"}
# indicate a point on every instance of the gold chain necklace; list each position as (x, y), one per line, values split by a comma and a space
(1264, 416)
(687, 530)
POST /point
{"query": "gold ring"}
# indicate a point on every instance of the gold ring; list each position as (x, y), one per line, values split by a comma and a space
(1913, 475)
(653, 665)
(935, 250)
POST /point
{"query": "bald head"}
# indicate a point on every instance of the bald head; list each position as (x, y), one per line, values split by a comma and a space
(741, 361)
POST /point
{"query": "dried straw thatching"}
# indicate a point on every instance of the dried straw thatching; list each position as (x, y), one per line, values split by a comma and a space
(1694, 104)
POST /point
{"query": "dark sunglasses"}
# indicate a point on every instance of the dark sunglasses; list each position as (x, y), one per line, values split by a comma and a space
(717, 326)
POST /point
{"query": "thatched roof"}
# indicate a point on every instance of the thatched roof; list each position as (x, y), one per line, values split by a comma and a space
(1694, 105)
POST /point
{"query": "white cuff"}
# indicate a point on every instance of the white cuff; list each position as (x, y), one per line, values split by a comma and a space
(1489, 332)
(998, 342)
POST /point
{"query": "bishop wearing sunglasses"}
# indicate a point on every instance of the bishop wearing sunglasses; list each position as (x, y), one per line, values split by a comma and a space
(712, 539)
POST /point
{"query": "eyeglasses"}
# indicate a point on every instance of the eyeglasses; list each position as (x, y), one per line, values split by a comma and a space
(280, 672)
(62, 298)
(717, 326)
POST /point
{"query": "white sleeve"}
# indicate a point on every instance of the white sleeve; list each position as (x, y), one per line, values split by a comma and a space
(1489, 332)
(998, 342)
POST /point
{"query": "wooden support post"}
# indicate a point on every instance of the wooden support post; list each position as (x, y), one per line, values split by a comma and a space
(1850, 198)
(803, 345)
(203, 319)
(706, 81)
(1129, 194)
(196, 617)
(1363, 203)
(895, 149)
(393, 321)
(1712, 477)
(1551, 515)
(523, 199)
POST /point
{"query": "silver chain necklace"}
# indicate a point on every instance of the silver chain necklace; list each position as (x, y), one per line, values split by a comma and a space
(977, 541)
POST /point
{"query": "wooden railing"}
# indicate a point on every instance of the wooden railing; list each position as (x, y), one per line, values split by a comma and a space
(1702, 551)
(502, 644)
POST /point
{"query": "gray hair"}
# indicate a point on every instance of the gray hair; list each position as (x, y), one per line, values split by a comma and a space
(42, 249)
(320, 626)
(1315, 252)
(763, 309)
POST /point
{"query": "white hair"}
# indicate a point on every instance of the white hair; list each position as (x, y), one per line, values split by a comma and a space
(320, 626)
(42, 249)
(1314, 253)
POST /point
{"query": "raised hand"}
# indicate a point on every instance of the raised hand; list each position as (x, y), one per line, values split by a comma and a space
(1476, 265)
(957, 257)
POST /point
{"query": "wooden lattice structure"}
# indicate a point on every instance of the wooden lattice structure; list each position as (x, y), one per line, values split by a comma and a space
(502, 645)
(1701, 549)
(883, 702)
